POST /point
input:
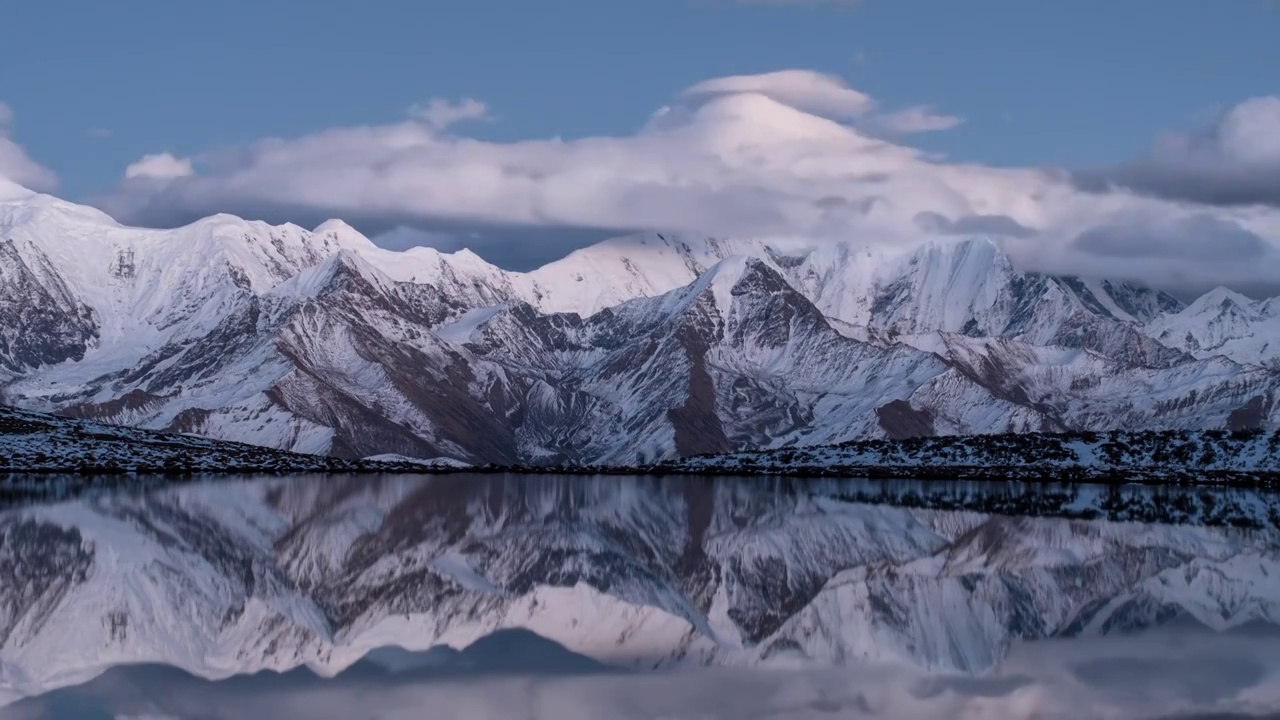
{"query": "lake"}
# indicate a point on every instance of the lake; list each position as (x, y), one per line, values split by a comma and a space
(639, 597)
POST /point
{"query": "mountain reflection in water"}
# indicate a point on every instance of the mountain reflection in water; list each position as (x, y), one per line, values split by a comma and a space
(924, 584)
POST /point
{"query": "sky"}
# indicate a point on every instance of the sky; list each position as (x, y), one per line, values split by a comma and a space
(527, 129)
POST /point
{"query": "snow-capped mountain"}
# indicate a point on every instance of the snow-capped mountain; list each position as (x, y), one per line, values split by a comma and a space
(633, 350)
(229, 578)
(1224, 323)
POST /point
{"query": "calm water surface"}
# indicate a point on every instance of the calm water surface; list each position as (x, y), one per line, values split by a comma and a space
(565, 597)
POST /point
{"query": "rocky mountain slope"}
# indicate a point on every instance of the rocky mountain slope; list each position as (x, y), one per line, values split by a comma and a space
(35, 443)
(1170, 457)
(630, 351)
(230, 578)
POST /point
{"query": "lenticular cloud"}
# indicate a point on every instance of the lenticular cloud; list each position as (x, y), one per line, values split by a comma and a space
(791, 153)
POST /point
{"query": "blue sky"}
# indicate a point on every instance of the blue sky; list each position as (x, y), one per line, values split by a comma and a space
(1138, 138)
(1061, 83)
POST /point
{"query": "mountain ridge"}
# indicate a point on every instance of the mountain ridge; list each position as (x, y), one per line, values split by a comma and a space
(632, 351)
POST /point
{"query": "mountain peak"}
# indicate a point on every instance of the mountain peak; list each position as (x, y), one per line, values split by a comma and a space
(13, 192)
(1223, 322)
(623, 268)
(220, 220)
(977, 251)
(19, 206)
(1222, 299)
(737, 275)
(345, 235)
(335, 225)
(726, 276)
(720, 283)
(217, 318)
(315, 281)
(943, 285)
(640, 244)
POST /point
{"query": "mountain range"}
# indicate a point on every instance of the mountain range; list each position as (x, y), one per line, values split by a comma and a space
(631, 351)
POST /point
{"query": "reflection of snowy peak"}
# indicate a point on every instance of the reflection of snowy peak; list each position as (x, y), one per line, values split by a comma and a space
(633, 349)
(276, 574)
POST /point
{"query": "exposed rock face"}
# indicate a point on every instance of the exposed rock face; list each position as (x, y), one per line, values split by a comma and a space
(42, 321)
(634, 350)
(900, 421)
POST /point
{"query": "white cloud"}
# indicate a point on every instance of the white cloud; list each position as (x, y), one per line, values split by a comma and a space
(817, 93)
(918, 119)
(786, 153)
(440, 113)
(402, 237)
(15, 165)
(160, 166)
(1250, 132)
(1235, 160)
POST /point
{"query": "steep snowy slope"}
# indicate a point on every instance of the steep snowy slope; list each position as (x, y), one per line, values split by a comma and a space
(970, 287)
(1074, 389)
(236, 578)
(736, 359)
(150, 286)
(632, 350)
(44, 323)
(195, 329)
(966, 286)
(365, 362)
(624, 268)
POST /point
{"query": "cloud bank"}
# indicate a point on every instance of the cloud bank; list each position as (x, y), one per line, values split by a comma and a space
(789, 153)
(1233, 161)
(440, 113)
(1188, 673)
(161, 166)
(15, 164)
